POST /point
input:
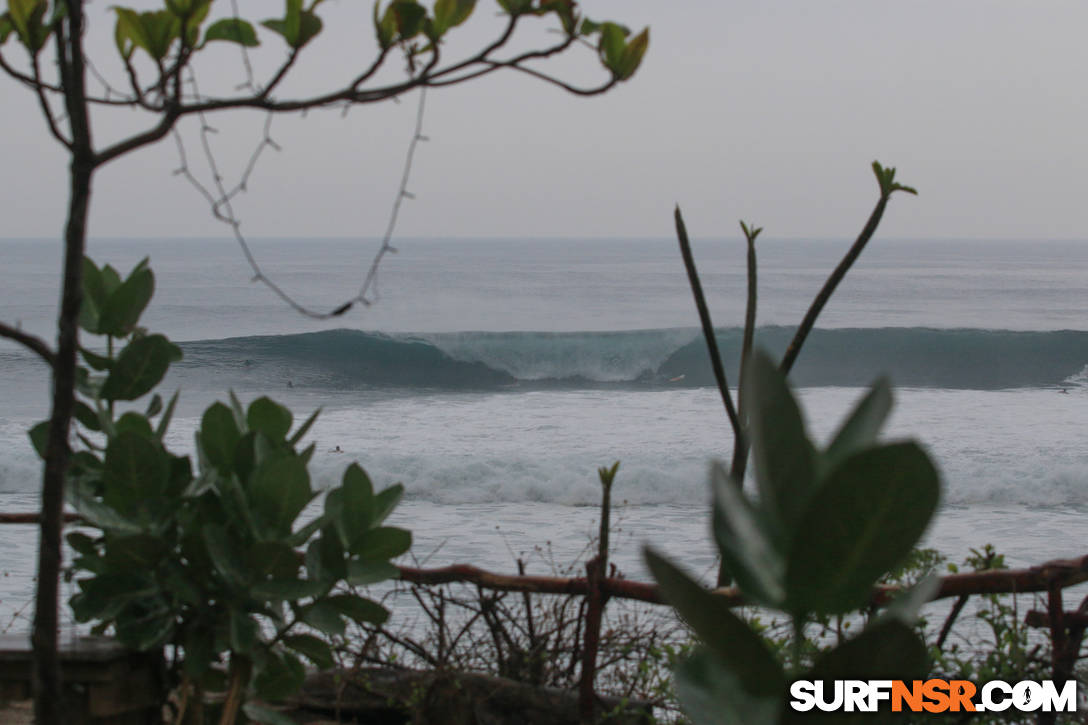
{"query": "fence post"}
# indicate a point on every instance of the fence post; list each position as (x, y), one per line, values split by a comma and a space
(596, 571)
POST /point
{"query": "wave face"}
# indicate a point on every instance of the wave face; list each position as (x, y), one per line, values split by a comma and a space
(914, 357)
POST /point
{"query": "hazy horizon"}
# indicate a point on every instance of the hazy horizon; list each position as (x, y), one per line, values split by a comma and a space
(767, 112)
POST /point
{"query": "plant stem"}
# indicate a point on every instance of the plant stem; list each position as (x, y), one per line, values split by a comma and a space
(832, 282)
(708, 331)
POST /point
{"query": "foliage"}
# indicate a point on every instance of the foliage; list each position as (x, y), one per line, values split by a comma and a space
(160, 45)
(826, 526)
(1001, 645)
(212, 560)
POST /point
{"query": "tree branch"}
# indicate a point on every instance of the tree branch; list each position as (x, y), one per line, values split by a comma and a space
(832, 282)
(708, 331)
(35, 344)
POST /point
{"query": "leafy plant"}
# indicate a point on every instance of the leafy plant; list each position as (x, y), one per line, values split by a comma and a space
(158, 50)
(825, 527)
(215, 561)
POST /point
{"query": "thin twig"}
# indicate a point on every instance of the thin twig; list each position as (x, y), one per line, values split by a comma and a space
(946, 628)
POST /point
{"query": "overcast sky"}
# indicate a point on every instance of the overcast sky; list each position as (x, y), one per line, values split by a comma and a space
(767, 110)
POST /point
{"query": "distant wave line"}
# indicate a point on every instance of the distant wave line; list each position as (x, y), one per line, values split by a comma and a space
(913, 357)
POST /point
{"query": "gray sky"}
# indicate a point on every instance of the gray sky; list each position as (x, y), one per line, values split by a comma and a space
(767, 110)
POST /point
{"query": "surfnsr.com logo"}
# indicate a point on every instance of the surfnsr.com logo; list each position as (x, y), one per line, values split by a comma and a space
(932, 696)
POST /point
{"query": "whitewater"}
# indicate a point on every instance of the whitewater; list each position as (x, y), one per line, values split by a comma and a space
(493, 377)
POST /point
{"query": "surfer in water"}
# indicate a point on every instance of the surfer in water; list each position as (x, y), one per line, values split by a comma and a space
(677, 379)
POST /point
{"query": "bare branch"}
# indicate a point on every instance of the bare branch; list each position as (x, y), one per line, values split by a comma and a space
(832, 282)
(35, 344)
(708, 331)
(43, 102)
(597, 90)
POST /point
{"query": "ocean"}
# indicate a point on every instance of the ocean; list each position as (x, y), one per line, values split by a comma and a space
(493, 377)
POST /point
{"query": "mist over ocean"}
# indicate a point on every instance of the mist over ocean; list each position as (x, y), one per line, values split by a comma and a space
(493, 377)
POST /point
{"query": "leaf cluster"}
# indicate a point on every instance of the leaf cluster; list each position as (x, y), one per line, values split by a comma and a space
(215, 558)
(826, 526)
(158, 33)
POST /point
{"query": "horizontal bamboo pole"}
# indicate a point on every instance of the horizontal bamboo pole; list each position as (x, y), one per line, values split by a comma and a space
(1060, 572)
(34, 518)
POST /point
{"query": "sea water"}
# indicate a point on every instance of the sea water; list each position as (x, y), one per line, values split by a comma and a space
(493, 377)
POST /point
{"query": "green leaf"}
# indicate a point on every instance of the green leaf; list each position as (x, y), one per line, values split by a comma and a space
(304, 428)
(385, 26)
(134, 423)
(310, 25)
(312, 648)
(232, 30)
(385, 502)
(39, 437)
(98, 514)
(862, 426)
(382, 543)
(135, 470)
(710, 693)
(300, 537)
(86, 416)
(128, 33)
(236, 409)
(275, 560)
(218, 436)
(356, 504)
(515, 7)
(864, 520)
(96, 362)
(133, 552)
(784, 459)
(122, 308)
(148, 632)
(94, 297)
(451, 13)
(181, 475)
(324, 617)
(280, 677)
(746, 547)
(154, 407)
(82, 544)
(225, 557)
(737, 646)
(325, 558)
(885, 176)
(26, 17)
(365, 573)
(161, 29)
(278, 491)
(611, 46)
(111, 280)
(6, 27)
(298, 26)
(632, 55)
(168, 414)
(359, 609)
(140, 367)
(244, 633)
(889, 650)
(588, 27)
(292, 21)
(409, 16)
(270, 418)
